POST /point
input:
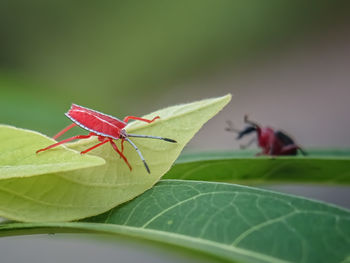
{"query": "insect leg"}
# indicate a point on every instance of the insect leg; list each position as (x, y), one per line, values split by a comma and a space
(64, 130)
(127, 118)
(139, 153)
(302, 151)
(66, 140)
(245, 146)
(95, 146)
(122, 144)
(120, 153)
(289, 149)
(151, 137)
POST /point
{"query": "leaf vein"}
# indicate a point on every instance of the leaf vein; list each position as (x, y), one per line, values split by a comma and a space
(180, 203)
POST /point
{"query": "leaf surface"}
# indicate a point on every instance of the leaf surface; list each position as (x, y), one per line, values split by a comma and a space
(18, 157)
(85, 192)
(327, 167)
(231, 222)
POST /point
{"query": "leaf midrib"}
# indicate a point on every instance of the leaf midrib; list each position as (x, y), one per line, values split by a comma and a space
(149, 234)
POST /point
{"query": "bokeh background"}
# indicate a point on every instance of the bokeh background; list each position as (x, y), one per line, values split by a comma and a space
(286, 63)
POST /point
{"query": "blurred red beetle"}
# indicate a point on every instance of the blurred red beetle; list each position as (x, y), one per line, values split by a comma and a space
(272, 142)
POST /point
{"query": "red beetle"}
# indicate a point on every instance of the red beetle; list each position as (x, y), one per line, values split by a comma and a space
(272, 142)
(106, 128)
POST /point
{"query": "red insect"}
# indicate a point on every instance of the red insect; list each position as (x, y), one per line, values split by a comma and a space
(272, 142)
(106, 128)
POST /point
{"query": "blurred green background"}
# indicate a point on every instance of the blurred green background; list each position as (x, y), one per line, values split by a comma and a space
(133, 57)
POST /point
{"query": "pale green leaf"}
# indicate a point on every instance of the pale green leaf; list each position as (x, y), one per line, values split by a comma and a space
(231, 222)
(18, 157)
(90, 191)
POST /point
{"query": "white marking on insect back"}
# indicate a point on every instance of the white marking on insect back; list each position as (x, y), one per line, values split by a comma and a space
(99, 113)
(91, 130)
(100, 119)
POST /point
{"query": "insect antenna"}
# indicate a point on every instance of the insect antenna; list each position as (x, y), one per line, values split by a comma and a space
(139, 153)
(151, 137)
(246, 131)
(246, 120)
(240, 133)
(231, 128)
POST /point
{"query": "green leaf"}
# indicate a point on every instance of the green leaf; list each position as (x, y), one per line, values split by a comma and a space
(331, 167)
(231, 222)
(18, 158)
(77, 194)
